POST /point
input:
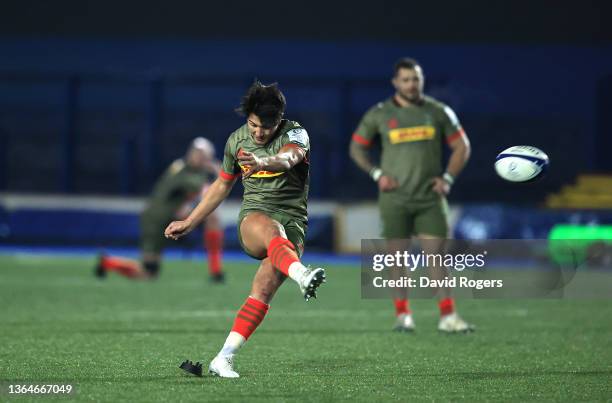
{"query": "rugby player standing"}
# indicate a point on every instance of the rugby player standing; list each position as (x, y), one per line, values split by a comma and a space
(413, 129)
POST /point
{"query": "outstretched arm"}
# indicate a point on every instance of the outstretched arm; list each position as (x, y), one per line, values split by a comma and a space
(217, 192)
(288, 156)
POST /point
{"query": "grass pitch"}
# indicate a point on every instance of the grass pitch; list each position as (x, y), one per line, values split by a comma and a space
(117, 340)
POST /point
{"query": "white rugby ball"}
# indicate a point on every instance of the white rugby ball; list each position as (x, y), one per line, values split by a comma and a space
(521, 163)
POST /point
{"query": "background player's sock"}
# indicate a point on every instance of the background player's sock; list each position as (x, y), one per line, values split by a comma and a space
(248, 318)
(213, 241)
(124, 267)
(282, 254)
(447, 306)
(401, 306)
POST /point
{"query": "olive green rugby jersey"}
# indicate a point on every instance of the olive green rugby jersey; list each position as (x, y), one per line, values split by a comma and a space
(177, 185)
(412, 140)
(274, 192)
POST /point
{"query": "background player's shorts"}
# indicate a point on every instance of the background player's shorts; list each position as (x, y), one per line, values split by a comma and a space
(295, 230)
(401, 220)
(152, 238)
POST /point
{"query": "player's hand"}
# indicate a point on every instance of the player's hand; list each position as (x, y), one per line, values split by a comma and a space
(177, 229)
(250, 160)
(387, 183)
(440, 186)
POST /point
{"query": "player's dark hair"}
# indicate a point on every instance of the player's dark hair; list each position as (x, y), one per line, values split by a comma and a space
(405, 63)
(267, 102)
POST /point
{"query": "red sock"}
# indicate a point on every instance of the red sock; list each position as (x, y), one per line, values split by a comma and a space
(213, 240)
(447, 306)
(124, 267)
(401, 306)
(282, 253)
(249, 317)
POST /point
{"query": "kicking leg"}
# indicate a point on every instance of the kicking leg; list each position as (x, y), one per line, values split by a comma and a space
(263, 236)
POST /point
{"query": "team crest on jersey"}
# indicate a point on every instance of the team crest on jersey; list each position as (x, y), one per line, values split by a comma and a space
(299, 135)
(392, 123)
(409, 134)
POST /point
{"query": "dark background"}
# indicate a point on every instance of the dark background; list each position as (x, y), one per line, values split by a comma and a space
(526, 22)
(98, 97)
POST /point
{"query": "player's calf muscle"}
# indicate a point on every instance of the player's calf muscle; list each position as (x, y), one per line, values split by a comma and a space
(267, 280)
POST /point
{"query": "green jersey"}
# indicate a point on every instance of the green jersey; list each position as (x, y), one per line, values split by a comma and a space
(412, 139)
(273, 192)
(177, 185)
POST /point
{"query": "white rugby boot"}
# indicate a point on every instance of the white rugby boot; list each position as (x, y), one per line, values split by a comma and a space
(404, 323)
(311, 280)
(453, 323)
(222, 366)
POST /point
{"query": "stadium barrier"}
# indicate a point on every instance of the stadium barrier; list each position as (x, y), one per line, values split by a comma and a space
(114, 221)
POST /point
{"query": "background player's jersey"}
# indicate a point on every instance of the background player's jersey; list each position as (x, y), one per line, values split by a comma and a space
(412, 140)
(179, 184)
(275, 192)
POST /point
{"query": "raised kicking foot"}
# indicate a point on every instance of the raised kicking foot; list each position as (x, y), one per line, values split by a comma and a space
(310, 281)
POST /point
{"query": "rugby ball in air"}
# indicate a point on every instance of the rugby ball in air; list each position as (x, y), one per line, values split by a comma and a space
(521, 164)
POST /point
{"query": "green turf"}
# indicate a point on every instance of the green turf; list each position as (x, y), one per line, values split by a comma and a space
(117, 340)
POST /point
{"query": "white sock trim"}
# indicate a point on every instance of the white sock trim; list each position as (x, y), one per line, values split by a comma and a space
(296, 271)
(233, 342)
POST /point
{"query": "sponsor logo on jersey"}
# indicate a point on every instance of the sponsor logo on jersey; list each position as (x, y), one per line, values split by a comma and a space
(261, 174)
(409, 134)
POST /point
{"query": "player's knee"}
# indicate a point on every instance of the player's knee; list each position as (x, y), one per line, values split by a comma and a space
(432, 243)
(152, 269)
(261, 225)
(271, 231)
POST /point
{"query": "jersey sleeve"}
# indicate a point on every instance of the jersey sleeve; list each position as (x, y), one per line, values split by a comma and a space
(229, 168)
(451, 125)
(367, 129)
(297, 136)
